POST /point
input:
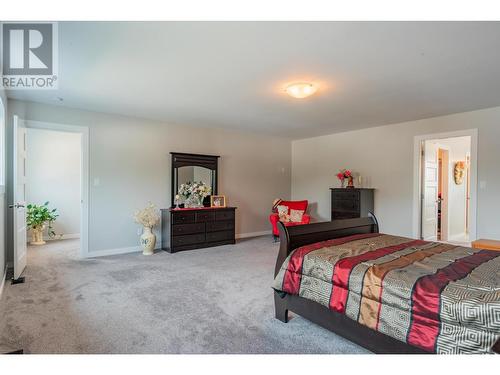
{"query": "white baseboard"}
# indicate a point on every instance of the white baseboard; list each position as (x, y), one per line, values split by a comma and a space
(253, 234)
(62, 237)
(117, 251)
(135, 249)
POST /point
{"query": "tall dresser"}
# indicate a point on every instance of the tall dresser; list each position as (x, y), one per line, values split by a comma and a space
(350, 203)
(195, 228)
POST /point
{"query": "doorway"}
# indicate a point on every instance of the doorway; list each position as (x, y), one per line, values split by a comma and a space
(445, 179)
(57, 172)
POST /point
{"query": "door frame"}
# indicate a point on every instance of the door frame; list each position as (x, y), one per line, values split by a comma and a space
(84, 174)
(417, 175)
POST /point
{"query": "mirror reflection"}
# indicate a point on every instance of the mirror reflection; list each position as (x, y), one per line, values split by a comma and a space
(193, 174)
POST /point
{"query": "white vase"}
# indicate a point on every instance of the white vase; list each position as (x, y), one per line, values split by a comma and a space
(37, 235)
(148, 241)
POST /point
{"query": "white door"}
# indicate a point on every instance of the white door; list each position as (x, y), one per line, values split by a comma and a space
(430, 191)
(19, 206)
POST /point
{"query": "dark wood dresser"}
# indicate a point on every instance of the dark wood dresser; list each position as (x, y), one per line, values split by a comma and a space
(195, 228)
(349, 203)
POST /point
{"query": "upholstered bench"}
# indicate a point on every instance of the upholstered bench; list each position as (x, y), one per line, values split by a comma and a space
(486, 244)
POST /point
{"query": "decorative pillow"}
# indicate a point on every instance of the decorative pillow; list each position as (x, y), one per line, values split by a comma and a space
(283, 214)
(296, 216)
(276, 203)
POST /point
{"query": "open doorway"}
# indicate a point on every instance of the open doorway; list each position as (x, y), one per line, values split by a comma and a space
(445, 189)
(57, 172)
(53, 181)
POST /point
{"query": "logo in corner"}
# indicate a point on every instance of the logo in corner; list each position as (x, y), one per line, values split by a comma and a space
(29, 56)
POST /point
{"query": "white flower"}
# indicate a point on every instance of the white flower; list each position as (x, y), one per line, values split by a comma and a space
(147, 217)
(196, 189)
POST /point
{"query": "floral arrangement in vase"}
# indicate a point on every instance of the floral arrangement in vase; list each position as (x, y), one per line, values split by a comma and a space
(194, 193)
(345, 174)
(148, 217)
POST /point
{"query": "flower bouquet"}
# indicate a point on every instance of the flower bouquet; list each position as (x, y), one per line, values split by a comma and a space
(194, 193)
(343, 175)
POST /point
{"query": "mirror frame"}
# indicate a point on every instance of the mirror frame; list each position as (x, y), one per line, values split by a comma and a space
(181, 159)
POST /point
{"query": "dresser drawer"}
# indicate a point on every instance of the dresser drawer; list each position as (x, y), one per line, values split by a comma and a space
(220, 236)
(188, 239)
(203, 216)
(219, 225)
(224, 215)
(182, 217)
(180, 229)
(345, 195)
(346, 205)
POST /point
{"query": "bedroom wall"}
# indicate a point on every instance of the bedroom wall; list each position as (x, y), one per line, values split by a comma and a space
(53, 174)
(385, 155)
(130, 158)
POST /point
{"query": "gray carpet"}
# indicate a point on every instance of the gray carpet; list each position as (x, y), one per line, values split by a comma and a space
(216, 300)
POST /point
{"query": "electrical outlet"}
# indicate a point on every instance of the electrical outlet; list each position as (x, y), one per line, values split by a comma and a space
(139, 231)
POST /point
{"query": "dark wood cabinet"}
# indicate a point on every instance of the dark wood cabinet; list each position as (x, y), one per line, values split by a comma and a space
(351, 203)
(187, 229)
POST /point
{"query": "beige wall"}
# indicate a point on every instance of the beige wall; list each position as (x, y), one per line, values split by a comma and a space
(53, 175)
(130, 158)
(385, 155)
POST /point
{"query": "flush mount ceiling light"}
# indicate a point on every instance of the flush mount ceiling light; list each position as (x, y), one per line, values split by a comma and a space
(301, 90)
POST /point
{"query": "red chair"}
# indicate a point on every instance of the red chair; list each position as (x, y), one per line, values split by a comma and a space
(292, 205)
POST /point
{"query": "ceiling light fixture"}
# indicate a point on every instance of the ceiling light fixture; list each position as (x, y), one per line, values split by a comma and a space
(301, 90)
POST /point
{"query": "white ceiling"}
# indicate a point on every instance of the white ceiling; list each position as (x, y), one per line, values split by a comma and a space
(232, 74)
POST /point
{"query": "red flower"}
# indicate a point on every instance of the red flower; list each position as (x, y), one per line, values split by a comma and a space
(347, 173)
(340, 176)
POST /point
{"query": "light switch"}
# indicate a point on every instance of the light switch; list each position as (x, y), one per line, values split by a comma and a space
(97, 181)
(482, 184)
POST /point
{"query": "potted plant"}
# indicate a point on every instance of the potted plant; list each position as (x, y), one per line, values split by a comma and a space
(148, 217)
(36, 219)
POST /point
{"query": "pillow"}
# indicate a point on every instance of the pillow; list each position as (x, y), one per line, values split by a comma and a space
(276, 203)
(283, 213)
(296, 216)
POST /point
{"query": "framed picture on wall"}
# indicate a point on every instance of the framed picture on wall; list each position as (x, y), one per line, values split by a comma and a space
(217, 201)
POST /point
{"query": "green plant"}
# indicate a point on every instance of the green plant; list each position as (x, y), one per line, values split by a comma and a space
(37, 216)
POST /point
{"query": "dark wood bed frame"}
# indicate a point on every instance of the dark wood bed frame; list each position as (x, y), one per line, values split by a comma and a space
(295, 236)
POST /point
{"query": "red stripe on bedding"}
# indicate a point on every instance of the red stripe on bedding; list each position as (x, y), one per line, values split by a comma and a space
(343, 269)
(426, 298)
(293, 273)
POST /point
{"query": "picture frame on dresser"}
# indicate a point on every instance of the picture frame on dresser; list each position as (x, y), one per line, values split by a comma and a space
(217, 201)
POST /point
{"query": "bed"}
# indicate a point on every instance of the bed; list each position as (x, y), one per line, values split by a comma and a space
(389, 294)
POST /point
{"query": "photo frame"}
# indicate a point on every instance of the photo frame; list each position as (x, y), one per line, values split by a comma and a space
(217, 201)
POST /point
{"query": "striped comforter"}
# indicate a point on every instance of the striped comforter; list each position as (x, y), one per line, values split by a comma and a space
(439, 297)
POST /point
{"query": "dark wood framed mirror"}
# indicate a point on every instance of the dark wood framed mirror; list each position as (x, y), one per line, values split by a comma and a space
(193, 167)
